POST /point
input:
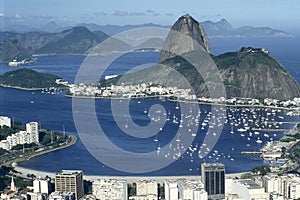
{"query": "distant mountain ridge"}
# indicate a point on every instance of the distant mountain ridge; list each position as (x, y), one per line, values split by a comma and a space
(74, 41)
(79, 40)
(12, 49)
(221, 28)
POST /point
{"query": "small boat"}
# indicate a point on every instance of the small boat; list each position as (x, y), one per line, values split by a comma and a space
(241, 129)
(258, 141)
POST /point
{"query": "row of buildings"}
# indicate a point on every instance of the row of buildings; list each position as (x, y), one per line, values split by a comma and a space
(212, 184)
(149, 89)
(30, 135)
(128, 91)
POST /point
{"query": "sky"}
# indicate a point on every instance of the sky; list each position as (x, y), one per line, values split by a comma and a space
(280, 14)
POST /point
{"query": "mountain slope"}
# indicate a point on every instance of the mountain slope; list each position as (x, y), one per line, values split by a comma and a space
(12, 50)
(77, 40)
(189, 34)
(247, 73)
(254, 73)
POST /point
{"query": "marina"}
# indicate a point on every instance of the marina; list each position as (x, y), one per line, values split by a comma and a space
(244, 128)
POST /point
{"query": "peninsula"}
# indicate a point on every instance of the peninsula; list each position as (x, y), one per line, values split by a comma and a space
(18, 142)
(250, 76)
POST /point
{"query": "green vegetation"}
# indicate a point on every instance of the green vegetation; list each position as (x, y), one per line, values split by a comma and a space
(87, 187)
(54, 138)
(6, 131)
(131, 189)
(5, 178)
(226, 60)
(25, 146)
(261, 170)
(48, 140)
(297, 136)
(288, 139)
(161, 191)
(29, 79)
(247, 176)
(296, 151)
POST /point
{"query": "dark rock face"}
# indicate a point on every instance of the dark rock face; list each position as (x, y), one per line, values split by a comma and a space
(247, 73)
(186, 35)
(253, 73)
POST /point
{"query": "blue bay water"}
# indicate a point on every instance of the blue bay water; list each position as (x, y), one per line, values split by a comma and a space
(55, 111)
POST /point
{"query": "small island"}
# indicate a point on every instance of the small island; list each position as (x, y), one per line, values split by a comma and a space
(29, 79)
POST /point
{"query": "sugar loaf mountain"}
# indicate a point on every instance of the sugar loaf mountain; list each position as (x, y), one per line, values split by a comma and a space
(247, 73)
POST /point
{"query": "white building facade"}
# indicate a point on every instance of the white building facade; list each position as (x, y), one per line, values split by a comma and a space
(5, 121)
(171, 190)
(110, 189)
(33, 129)
(245, 189)
(193, 190)
(287, 185)
(41, 186)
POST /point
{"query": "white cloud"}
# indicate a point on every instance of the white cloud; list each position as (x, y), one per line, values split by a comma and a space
(1, 15)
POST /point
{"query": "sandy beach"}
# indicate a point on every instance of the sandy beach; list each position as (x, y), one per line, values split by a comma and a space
(129, 179)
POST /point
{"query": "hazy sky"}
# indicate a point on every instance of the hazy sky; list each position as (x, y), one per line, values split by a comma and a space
(274, 13)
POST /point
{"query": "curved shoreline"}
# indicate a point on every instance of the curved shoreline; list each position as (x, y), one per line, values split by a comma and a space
(130, 179)
(27, 89)
(73, 140)
(156, 96)
(180, 101)
(21, 88)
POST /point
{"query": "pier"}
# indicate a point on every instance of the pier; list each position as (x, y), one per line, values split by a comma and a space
(251, 152)
(271, 129)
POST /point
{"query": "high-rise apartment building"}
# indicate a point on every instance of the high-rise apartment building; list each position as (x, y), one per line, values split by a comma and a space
(70, 181)
(213, 178)
(33, 129)
(41, 186)
(171, 190)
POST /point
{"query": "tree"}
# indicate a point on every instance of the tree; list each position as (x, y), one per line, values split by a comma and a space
(262, 170)
(247, 176)
(132, 189)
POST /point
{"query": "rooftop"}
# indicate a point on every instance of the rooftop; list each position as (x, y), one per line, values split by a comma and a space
(70, 172)
(250, 184)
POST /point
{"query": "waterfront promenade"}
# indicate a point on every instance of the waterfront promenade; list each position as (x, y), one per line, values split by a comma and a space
(71, 141)
(129, 179)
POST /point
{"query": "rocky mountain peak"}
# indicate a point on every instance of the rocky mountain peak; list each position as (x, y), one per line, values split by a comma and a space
(177, 44)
